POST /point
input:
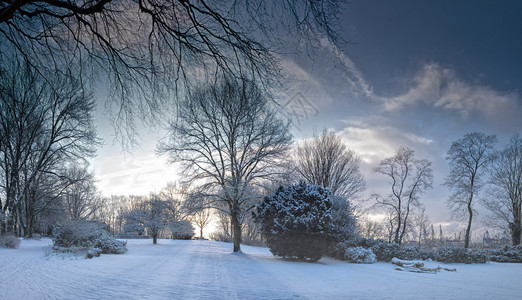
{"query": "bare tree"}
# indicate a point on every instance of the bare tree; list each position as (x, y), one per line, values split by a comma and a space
(223, 231)
(152, 214)
(468, 159)
(44, 122)
(421, 223)
(505, 193)
(153, 46)
(112, 210)
(202, 219)
(67, 191)
(326, 161)
(409, 178)
(81, 197)
(229, 139)
(370, 229)
(177, 195)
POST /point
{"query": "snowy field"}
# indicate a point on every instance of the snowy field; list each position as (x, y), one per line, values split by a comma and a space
(208, 270)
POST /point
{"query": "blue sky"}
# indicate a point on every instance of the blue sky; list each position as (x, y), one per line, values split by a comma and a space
(416, 73)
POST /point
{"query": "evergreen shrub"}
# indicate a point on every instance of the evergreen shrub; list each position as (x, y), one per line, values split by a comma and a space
(295, 221)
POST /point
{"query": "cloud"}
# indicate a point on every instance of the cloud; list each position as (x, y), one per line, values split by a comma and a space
(140, 174)
(376, 142)
(443, 88)
(352, 75)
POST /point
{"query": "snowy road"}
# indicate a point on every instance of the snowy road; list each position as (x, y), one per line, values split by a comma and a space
(208, 270)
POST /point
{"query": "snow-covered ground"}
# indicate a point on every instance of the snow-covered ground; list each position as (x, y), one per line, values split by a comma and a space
(208, 270)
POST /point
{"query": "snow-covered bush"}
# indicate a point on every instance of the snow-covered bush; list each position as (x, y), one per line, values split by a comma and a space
(109, 245)
(93, 252)
(507, 254)
(460, 255)
(134, 226)
(154, 215)
(76, 233)
(386, 251)
(182, 230)
(360, 255)
(9, 241)
(295, 221)
(85, 234)
(342, 227)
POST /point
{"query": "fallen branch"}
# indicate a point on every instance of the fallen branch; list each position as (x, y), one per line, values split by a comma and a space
(416, 266)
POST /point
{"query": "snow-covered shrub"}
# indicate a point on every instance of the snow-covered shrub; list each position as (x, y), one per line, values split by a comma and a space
(93, 252)
(360, 255)
(295, 221)
(76, 233)
(459, 255)
(9, 241)
(153, 215)
(342, 227)
(385, 251)
(182, 230)
(507, 254)
(109, 245)
(85, 234)
(133, 226)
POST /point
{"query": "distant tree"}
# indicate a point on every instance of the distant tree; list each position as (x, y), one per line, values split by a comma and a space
(326, 161)
(177, 195)
(152, 214)
(202, 219)
(468, 159)
(421, 224)
(370, 229)
(223, 231)
(181, 230)
(504, 199)
(81, 197)
(112, 211)
(230, 139)
(295, 221)
(409, 177)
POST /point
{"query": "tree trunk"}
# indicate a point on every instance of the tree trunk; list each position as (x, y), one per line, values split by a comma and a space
(236, 232)
(30, 227)
(468, 229)
(201, 231)
(154, 238)
(515, 230)
(397, 240)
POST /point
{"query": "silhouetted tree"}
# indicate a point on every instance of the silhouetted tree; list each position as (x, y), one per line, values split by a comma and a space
(468, 159)
(409, 178)
(326, 161)
(45, 123)
(229, 139)
(505, 194)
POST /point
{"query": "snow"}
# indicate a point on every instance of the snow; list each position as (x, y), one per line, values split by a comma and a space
(209, 270)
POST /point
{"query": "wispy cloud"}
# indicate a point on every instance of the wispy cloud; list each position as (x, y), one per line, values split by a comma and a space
(352, 75)
(135, 176)
(376, 142)
(441, 87)
(433, 85)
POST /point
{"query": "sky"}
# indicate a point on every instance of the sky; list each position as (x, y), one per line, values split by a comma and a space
(419, 74)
